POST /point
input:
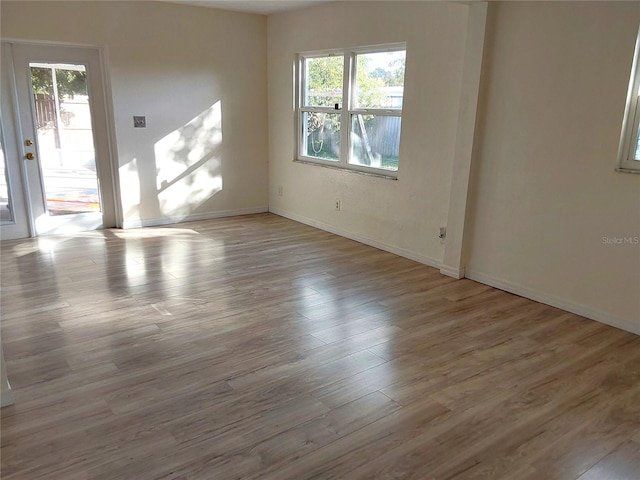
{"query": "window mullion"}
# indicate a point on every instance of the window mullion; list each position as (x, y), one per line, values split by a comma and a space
(381, 112)
(319, 109)
(300, 86)
(346, 105)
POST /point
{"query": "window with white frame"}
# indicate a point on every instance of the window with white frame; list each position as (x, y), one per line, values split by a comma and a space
(350, 108)
(629, 151)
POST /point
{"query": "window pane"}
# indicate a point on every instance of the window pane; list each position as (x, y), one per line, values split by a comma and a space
(636, 156)
(321, 136)
(375, 141)
(323, 81)
(6, 216)
(380, 80)
(65, 138)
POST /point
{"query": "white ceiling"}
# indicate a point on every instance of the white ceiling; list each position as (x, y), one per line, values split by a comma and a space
(263, 7)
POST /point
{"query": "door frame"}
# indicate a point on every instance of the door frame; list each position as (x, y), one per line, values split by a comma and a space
(110, 130)
(21, 225)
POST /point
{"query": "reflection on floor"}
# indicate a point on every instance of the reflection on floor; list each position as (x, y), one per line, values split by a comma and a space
(258, 348)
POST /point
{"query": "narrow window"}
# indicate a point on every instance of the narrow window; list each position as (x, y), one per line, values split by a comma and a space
(629, 150)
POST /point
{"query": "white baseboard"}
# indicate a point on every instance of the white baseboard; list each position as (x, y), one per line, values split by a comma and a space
(403, 252)
(480, 277)
(6, 398)
(547, 299)
(154, 222)
(456, 273)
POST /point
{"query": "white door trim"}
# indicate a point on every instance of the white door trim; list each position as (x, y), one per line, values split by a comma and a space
(109, 120)
(12, 133)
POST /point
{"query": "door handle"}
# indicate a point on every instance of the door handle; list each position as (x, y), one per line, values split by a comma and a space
(29, 156)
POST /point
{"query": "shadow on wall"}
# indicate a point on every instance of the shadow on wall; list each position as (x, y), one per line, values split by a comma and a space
(188, 171)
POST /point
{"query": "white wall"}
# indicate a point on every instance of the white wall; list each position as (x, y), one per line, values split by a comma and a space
(403, 215)
(199, 76)
(545, 192)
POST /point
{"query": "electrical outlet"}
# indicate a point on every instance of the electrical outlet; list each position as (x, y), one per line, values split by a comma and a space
(443, 233)
(139, 121)
(280, 191)
(337, 206)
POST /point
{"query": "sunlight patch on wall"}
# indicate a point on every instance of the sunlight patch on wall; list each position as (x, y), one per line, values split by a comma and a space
(130, 186)
(189, 163)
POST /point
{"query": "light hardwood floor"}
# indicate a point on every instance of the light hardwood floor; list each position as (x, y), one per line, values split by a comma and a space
(259, 348)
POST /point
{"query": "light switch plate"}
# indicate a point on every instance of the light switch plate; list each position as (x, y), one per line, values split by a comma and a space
(139, 122)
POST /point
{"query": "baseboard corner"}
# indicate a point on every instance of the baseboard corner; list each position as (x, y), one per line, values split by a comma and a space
(457, 273)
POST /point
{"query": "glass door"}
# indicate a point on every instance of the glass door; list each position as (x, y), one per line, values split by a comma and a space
(6, 209)
(64, 141)
(65, 138)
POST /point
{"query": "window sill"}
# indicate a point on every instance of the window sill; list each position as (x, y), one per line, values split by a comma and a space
(348, 170)
(628, 170)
